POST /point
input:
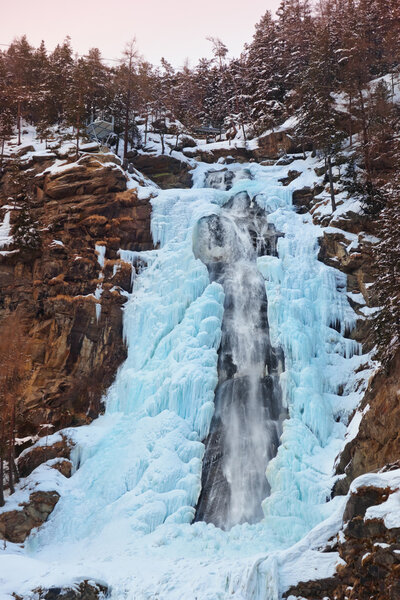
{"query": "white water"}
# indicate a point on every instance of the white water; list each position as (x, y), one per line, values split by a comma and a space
(124, 516)
(247, 423)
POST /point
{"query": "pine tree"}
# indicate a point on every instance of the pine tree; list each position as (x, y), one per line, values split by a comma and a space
(98, 94)
(61, 64)
(75, 106)
(126, 78)
(294, 30)
(19, 59)
(266, 86)
(319, 122)
(39, 108)
(387, 259)
(6, 129)
(25, 232)
(43, 129)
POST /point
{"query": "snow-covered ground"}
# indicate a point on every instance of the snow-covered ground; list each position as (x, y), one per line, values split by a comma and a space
(124, 517)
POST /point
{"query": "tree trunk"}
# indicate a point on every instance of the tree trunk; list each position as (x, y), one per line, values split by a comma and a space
(145, 129)
(162, 143)
(127, 110)
(10, 471)
(77, 143)
(351, 120)
(331, 187)
(365, 137)
(16, 472)
(78, 129)
(243, 130)
(1, 481)
(19, 122)
(2, 152)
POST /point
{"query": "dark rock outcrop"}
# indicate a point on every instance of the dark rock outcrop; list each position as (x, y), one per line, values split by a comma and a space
(16, 525)
(167, 171)
(378, 440)
(37, 455)
(371, 555)
(86, 590)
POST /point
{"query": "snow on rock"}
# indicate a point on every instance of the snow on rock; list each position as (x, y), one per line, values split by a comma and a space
(5, 228)
(389, 511)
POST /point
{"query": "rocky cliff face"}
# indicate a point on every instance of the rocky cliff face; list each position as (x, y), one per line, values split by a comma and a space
(377, 443)
(71, 289)
(368, 547)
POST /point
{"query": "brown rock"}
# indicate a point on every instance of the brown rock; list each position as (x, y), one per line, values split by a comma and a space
(64, 467)
(291, 176)
(166, 171)
(73, 357)
(81, 591)
(302, 199)
(16, 525)
(370, 570)
(275, 144)
(34, 457)
(378, 439)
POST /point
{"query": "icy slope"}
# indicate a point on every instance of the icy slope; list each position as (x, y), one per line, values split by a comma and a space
(124, 516)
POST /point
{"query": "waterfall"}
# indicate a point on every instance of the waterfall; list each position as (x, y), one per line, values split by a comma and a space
(195, 412)
(246, 426)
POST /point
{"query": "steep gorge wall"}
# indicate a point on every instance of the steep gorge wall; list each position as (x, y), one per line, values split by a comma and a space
(369, 549)
(74, 355)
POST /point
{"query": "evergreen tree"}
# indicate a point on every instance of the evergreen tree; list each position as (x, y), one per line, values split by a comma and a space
(266, 82)
(126, 83)
(387, 259)
(76, 111)
(60, 78)
(318, 119)
(294, 28)
(98, 96)
(6, 130)
(25, 232)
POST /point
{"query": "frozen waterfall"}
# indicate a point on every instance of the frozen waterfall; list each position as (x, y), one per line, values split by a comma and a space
(210, 310)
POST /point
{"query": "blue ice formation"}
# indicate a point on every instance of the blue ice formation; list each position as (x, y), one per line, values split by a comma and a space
(138, 467)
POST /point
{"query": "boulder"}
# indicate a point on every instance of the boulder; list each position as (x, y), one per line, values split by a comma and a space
(85, 590)
(274, 144)
(291, 176)
(64, 466)
(33, 457)
(167, 171)
(24, 150)
(16, 525)
(88, 176)
(302, 199)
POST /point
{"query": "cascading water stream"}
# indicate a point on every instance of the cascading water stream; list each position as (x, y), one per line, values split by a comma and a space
(246, 426)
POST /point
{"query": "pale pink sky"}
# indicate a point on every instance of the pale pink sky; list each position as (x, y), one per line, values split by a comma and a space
(175, 29)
